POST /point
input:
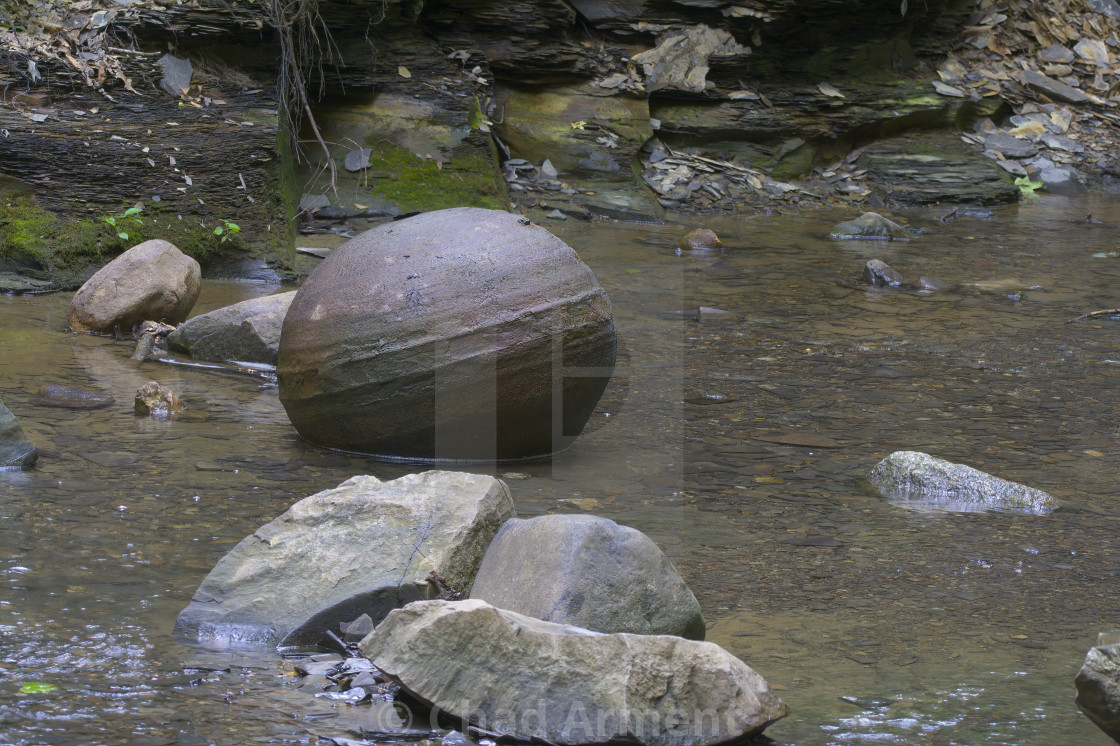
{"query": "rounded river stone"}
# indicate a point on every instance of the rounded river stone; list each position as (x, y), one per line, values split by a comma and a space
(455, 334)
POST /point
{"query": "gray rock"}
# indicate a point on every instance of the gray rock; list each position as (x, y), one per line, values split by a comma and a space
(1108, 7)
(436, 337)
(680, 59)
(364, 547)
(869, 225)
(1098, 687)
(553, 683)
(548, 171)
(1061, 180)
(155, 400)
(152, 281)
(879, 274)
(16, 450)
(1056, 53)
(919, 481)
(1054, 89)
(589, 572)
(1008, 145)
(247, 332)
(1057, 142)
(356, 160)
(176, 74)
(1012, 167)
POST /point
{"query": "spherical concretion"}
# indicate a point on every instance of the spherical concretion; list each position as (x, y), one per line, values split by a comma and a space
(456, 334)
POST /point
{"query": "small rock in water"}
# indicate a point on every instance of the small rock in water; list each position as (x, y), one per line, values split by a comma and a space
(916, 480)
(878, 273)
(548, 171)
(706, 314)
(358, 629)
(870, 225)
(56, 395)
(699, 239)
(157, 401)
(557, 215)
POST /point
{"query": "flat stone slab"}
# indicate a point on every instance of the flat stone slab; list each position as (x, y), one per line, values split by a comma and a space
(246, 332)
(553, 683)
(918, 481)
(364, 547)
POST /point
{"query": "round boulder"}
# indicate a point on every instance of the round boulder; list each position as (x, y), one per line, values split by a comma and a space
(454, 334)
(152, 281)
(589, 572)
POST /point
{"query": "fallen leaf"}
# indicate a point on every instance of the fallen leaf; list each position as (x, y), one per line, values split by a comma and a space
(403, 72)
(829, 90)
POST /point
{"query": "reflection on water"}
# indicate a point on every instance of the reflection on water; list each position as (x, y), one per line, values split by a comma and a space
(736, 440)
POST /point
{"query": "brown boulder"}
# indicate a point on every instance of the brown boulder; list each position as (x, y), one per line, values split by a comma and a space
(157, 401)
(151, 281)
(699, 239)
(436, 337)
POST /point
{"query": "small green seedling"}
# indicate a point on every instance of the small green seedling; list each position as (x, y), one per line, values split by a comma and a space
(1028, 187)
(226, 229)
(130, 214)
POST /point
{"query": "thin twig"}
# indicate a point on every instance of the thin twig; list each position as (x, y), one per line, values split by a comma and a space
(1104, 312)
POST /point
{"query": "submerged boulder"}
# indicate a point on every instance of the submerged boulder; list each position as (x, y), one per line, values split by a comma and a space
(16, 450)
(447, 335)
(246, 332)
(552, 683)
(589, 572)
(152, 281)
(919, 481)
(57, 395)
(870, 225)
(364, 547)
(1098, 686)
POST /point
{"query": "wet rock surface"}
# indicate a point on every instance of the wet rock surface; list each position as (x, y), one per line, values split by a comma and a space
(245, 332)
(364, 547)
(870, 225)
(1098, 685)
(519, 676)
(57, 395)
(878, 273)
(435, 336)
(16, 450)
(588, 572)
(158, 401)
(151, 281)
(922, 482)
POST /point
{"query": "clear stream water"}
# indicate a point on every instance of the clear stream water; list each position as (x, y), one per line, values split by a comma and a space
(912, 628)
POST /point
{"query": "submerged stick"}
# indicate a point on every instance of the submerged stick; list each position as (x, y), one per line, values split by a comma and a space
(1104, 312)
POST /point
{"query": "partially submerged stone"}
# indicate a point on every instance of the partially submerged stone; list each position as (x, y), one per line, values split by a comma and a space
(870, 225)
(878, 273)
(151, 281)
(57, 395)
(364, 547)
(247, 332)
(921, 482)
(158, 401)
(589, 572)
(447, 335)
(552, 683)
(1098, 685)
(16, 449)
(699, 239)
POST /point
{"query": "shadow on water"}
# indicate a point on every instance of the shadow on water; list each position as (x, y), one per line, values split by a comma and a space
(737, 441)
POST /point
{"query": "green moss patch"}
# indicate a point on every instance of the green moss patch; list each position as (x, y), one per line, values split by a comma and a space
(416, 184)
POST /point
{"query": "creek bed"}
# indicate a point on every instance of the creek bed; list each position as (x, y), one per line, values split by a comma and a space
(875, 623)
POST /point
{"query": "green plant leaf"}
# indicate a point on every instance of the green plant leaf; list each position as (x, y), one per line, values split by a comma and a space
(131, 211)
(110, 221)
(37, 687)
(1028, 187)
(218, 231)
(122, 235)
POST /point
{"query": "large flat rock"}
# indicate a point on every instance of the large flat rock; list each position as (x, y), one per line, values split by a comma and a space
(364, 547)
(512, 674)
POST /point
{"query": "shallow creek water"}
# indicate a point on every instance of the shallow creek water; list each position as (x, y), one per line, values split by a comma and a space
(877, 624)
